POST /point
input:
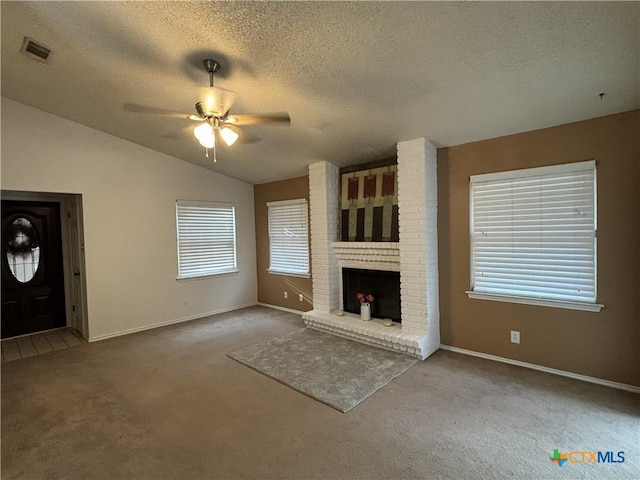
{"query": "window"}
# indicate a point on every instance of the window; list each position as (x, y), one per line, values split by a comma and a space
(288, 237)
(22, 249)
(206, 238)
(533, 236)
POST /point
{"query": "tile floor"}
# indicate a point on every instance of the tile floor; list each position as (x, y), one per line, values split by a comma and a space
(38, 343)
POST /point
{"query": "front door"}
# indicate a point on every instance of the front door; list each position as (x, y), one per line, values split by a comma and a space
(32, 271)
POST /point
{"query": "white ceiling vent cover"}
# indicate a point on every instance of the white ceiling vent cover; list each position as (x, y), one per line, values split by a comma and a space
(35, 50)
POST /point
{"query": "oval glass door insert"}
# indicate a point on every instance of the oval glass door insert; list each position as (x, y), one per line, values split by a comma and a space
(22, 249)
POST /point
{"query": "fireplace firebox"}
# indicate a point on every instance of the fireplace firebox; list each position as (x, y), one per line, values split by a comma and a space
(383, 285)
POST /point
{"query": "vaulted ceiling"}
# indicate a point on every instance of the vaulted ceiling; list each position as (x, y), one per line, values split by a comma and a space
(355, 77)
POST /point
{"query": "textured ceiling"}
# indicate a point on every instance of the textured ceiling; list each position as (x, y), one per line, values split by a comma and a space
(356, 77)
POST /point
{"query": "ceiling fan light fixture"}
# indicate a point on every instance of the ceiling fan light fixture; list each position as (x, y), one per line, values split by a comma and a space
(209, 142)
(228, 135)
(205, 135)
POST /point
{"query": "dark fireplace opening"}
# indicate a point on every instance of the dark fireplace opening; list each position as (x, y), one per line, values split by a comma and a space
(383, 285)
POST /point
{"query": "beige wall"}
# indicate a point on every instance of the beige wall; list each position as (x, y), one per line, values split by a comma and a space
(271, 287)
(603, 345)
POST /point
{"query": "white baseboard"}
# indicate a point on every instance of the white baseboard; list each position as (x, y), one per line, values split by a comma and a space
(168, 322)
(278, 307)
(563, 373)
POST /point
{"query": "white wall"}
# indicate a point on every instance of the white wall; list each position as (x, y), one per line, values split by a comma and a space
(128, 194)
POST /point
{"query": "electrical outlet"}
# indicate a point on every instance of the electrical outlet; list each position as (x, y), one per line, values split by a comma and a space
(286, 294)
(301, 297)
(515, 336)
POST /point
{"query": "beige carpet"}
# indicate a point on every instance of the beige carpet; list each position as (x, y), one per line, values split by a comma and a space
(170, 404)
(333, 370)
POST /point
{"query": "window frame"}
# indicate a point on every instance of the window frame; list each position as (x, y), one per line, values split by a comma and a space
(585, 305)
(279, 270)
(232, 266)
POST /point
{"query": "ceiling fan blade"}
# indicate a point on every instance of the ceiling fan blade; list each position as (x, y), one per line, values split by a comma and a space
(280, 118)
(135, 108)
(216, 101)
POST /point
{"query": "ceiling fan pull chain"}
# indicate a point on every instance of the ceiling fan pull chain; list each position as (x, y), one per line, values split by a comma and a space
(206, 154)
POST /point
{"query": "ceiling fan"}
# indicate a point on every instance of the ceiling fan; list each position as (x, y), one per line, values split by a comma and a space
(213, 114)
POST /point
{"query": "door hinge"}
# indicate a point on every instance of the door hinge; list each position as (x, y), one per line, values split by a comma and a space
(73, 308)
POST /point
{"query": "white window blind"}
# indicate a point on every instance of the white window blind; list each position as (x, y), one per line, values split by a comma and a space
(533, 233)
(288, 237)
(206, 238)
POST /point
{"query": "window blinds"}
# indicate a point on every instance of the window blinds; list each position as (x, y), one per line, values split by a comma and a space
(206, 238)
(288, 237)
(533, 233)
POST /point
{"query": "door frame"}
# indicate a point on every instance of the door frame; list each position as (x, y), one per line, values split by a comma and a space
(72, 231)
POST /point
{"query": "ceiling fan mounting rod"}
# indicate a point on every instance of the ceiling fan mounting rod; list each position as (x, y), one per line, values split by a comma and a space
(212, 67)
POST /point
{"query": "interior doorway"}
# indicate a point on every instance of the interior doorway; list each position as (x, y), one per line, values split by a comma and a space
(43, 269)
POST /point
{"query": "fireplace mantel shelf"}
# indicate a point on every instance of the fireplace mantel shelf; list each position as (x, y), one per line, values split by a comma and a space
(366, 245)
(381, 253)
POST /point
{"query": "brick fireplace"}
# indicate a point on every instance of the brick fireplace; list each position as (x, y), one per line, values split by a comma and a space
(415, 256)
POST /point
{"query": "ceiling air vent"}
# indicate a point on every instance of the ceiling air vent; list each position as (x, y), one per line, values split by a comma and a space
(35, 50)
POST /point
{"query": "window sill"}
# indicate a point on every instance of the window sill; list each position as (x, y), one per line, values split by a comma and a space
(587, 307)
(287, 274)
(208, 275)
